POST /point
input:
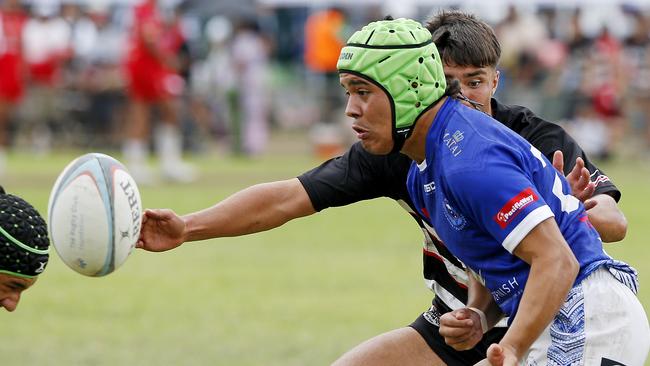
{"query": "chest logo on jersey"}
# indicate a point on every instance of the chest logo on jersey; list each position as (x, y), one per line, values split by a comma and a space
(429, 187)
(511, 209)
(456, 220)
(452, 140)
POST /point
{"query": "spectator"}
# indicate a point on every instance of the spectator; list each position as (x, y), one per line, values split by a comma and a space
(151, 69)
(250, 58)
(47, 47)
(12, 21)
(324, 37)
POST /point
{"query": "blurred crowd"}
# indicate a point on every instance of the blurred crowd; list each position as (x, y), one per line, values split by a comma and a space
(170, 77)
(596, 82)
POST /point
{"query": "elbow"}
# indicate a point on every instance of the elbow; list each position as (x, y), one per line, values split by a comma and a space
(570, 267)
(566, 267)
(620, 229)
(617, 230)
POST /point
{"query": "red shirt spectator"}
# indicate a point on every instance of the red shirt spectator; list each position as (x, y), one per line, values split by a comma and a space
(151, 58)
(12, 22)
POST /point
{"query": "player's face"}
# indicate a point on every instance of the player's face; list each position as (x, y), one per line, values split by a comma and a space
(477, 83)
(11, 287)
(369, 106)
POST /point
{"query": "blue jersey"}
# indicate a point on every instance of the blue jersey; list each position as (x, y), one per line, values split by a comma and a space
(483, 189)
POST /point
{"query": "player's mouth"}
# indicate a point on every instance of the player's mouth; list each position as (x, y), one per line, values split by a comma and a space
(362, 133)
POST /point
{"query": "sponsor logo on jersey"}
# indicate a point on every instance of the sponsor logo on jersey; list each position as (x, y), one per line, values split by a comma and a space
(432, 316)
(601, 179)
(511, 209)
(456, 220)
(452, 140)
(506, 289)
(429, 187)
(598, 178)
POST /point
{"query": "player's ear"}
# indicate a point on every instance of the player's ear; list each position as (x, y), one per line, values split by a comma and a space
(495, 82)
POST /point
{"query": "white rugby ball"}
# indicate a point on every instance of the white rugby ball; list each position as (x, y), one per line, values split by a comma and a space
(94, 214)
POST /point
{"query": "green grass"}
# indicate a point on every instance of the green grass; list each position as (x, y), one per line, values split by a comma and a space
(299, 295)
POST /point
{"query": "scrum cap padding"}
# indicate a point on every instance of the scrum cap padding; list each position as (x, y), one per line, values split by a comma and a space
(24, 244)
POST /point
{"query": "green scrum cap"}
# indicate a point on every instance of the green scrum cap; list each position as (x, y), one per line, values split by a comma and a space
(399, 56)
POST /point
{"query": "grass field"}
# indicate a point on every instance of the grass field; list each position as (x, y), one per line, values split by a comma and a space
(298, 295)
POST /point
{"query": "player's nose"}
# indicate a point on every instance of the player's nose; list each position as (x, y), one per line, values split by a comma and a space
(352, 110)
(10, 303)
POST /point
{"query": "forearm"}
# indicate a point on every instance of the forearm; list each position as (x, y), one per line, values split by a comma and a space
(607, 219)
(550, 279)
(479, 297)
(254, 209)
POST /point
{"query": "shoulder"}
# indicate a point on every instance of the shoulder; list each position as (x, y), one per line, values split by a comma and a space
(518, 118)
(546, 136)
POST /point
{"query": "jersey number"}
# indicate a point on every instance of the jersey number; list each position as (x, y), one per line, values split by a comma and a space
(568, 202)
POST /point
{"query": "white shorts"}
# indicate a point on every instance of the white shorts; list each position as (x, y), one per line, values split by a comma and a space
(601, 323)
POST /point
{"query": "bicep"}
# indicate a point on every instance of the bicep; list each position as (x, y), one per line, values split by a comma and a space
(544, 242)
(297, 201)
(354, 177)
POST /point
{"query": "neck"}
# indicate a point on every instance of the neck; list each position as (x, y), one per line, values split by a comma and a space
(415, 145)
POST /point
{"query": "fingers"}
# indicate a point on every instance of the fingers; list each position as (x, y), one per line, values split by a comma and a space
(456, 319)
(588, 192)
(580, 181)
(589, 204)
(460, 330)
(558, 161)
(157, 213)
(495, 355)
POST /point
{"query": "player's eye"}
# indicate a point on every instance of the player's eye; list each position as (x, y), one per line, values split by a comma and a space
(474, 83)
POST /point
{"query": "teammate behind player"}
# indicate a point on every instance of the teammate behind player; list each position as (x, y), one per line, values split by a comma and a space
(531, 249)
(470, 53)
(24, 248)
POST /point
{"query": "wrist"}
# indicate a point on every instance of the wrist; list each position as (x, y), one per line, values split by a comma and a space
(483, 318)
(189, 232)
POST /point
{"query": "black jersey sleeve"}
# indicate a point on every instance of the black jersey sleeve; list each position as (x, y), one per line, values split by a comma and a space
(355, 176)
(548, 137)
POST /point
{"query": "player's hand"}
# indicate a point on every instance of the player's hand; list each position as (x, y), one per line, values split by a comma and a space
(161, 230)
(461, 329)
(579, 179)
(498, 355)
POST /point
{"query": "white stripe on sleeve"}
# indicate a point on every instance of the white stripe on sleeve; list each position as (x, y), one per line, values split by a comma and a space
(525, 226)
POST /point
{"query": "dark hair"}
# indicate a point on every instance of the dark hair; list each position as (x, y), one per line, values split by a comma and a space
(464, 40)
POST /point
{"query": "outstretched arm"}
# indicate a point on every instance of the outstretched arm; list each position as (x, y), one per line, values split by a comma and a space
(257, 208)
(602, 209)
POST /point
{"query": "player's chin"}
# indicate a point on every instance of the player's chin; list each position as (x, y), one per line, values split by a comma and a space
(376, 147)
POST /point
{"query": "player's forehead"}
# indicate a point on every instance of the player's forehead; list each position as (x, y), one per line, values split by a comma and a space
(467, 71)
(351, 80)
(8, 281)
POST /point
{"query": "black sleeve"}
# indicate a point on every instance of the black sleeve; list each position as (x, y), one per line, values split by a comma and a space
(548, 137)
(355, 176)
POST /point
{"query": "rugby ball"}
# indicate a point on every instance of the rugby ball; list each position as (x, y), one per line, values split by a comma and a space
(94, 214)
